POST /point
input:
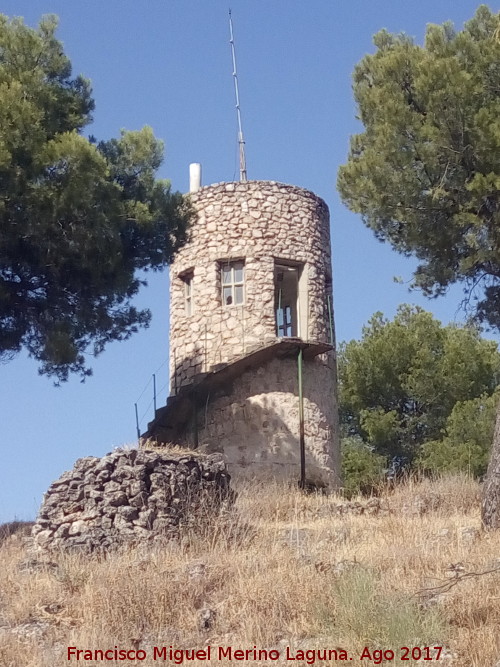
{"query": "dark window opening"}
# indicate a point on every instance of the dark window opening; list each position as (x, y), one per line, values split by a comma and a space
(187, 280)
(286, 300)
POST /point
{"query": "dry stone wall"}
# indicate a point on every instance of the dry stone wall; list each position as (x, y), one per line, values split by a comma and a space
(130, 496)
(262, 223)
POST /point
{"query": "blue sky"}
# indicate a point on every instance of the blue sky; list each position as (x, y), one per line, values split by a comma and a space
(167, 63)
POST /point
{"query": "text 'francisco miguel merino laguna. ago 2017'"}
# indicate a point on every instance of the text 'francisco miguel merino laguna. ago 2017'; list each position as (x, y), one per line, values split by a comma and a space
(210, 654)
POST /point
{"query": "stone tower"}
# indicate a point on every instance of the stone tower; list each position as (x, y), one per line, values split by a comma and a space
(252, 347)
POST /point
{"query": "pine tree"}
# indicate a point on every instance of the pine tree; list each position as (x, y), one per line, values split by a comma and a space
(425, 173)
(78, 218)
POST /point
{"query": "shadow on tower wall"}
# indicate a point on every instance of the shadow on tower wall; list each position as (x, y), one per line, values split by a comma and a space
(253, 419)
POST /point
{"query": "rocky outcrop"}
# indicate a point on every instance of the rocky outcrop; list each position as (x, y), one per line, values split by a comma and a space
(130, 496)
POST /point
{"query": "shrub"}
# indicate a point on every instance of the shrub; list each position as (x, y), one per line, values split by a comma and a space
(372, 615)
(14, 527)
(362, 469)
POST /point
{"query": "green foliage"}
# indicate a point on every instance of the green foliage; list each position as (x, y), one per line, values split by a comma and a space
(374, 616)
(467, 439)
(401, 382)
(78, 218)
(362, 469)
(425, 173)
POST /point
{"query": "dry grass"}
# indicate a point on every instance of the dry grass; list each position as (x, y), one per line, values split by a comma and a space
(285, 569)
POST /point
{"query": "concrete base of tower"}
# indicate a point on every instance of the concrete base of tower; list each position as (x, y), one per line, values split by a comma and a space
(254, 422)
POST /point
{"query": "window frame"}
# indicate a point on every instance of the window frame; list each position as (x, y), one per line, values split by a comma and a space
(294, 320)
(232, 284)
(187, 291)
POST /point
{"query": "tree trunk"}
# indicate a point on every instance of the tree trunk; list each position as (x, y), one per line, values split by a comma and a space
(490, 507)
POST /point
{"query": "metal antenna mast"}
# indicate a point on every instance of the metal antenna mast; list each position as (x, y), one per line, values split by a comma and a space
(241, 141)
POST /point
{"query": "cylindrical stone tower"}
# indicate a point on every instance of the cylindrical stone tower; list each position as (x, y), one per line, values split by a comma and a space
(252, 348)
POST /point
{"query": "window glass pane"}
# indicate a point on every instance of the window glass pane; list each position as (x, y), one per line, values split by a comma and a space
(238, 272)
(226, 275)
(188, 306)
(238, 294)
(227, 296)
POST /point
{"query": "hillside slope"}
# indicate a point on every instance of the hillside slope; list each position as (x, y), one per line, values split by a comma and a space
(286, 572)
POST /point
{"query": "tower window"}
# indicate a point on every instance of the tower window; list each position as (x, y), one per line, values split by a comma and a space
(233, 283)
(286, 300)
(187, 282)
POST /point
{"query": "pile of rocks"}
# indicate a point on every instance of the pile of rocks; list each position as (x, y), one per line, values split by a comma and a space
(130, 496)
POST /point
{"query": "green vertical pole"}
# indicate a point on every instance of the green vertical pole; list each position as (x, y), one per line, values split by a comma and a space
(302, 482)
(137, 423)
(175, 374)
(195, 425)
(206, 350)
(277, 315)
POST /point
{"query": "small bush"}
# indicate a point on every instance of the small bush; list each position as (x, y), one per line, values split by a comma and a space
(22, 528)
(450, 457)
(362, 469)
(370, 615)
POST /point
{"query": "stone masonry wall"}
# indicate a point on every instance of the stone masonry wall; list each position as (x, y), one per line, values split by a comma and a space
(129, 496)
(256, 424)
(260, 222)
